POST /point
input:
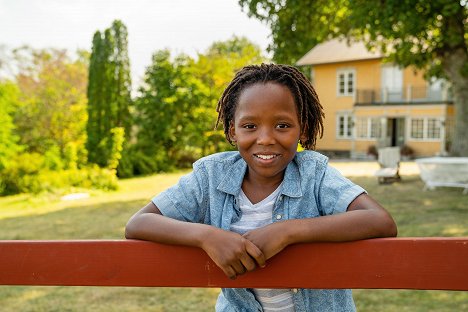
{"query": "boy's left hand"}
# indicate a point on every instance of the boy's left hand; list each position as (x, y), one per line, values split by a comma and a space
(270, 239)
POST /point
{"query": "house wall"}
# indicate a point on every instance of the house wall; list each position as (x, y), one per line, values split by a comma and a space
(368, 76)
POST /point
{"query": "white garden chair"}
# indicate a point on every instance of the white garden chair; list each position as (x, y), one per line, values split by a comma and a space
(389, 161)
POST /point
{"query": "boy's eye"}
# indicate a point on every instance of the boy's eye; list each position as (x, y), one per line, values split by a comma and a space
(282, 126)
(249, 126)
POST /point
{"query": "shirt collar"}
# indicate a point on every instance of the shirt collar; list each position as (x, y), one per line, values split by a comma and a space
(231, 182)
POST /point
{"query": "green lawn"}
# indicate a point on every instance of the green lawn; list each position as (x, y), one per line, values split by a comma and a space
(442, 212)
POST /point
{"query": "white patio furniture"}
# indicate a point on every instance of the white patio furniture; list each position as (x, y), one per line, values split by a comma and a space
(444, 171)
(389, 161)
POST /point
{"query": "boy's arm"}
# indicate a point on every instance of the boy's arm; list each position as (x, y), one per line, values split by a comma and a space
(364, 218)
(230, 251)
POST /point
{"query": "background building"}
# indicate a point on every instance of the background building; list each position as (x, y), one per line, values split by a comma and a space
(370, 104)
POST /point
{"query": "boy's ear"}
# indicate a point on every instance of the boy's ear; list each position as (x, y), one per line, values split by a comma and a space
(303, 138)
(232, 131)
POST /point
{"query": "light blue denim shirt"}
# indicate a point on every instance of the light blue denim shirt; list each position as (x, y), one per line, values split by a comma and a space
(310, 189)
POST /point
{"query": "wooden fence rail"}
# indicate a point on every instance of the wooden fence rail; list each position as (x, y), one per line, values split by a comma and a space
(392, 263)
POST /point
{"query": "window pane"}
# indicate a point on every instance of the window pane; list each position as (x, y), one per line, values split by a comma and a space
(433, 129)
(350, 83)
(361, 127)
(376, 128)
(341, 126)
(350, 126)
(417, 128)
(341, 83)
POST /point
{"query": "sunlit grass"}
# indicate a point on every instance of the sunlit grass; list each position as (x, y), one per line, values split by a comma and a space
(441, 212)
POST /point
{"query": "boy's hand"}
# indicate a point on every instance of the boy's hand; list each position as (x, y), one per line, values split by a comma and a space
(232, 253)
(271, 239)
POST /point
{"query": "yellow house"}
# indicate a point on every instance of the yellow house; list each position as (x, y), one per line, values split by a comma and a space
(370, 104)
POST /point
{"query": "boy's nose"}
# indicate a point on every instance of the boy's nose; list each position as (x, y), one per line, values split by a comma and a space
(265, 137)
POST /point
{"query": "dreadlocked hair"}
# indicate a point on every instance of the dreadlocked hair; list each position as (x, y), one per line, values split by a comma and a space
(309, 109)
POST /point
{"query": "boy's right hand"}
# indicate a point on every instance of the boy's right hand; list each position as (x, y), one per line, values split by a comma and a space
(231, 252)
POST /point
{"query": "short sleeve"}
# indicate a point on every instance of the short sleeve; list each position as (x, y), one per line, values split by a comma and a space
(185, 201)
(336, 192)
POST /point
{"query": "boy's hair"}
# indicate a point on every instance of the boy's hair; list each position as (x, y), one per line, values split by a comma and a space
(308, 105)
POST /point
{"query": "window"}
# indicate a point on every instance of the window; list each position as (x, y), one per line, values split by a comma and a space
(368, 128)
(344, 126)
(375, 128)
(425, 129)
(361, 127)
(433, 128)
(417, 128)
(345, 81)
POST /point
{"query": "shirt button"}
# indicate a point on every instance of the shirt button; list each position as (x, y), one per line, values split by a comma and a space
(294, 290)
(278, 217)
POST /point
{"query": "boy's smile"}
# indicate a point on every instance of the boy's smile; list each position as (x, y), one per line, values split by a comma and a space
(266, 128)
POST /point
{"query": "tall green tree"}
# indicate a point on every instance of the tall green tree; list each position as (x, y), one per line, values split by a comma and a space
(430, 35)
(162, 113)
(109, 94)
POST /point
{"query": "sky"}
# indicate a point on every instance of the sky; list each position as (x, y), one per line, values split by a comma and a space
(183, 26)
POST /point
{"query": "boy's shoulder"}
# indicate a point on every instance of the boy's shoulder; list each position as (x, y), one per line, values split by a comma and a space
(307, 157)
(219, 159)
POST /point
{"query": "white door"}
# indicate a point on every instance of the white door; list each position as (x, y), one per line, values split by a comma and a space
(392, 84)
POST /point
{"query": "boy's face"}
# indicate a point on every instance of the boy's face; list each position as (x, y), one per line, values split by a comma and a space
(267, 130)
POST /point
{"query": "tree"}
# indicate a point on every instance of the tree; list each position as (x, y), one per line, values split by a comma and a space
(51, 110)
(430, 35)
(162, 113)
(176, 111)
(109, 94)
(9, 141)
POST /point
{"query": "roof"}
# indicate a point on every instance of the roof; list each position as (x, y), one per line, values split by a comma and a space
(337, 51)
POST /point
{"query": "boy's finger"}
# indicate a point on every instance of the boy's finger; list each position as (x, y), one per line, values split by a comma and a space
(238, 268)
(248, 262)
(255, 253)
(230, 272)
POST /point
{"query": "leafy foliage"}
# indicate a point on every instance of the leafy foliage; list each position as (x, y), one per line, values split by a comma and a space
(51, 110)
(176, 109)
(9, 146)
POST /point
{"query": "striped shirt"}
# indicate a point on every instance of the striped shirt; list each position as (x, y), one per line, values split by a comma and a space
(255, 216)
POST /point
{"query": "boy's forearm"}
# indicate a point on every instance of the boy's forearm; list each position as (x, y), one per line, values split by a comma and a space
(157, 228)
(348, 226)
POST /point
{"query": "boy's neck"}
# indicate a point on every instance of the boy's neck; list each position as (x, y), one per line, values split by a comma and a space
(256, 190)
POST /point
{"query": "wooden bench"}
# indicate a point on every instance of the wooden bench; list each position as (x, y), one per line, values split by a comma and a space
(390, 263)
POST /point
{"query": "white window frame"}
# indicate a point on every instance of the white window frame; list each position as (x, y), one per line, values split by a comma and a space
(345, 73)
(425, 137)
(368, 128)
(348, 125)
(364, 122)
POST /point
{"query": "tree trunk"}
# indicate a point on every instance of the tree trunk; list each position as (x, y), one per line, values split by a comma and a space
(452, 64)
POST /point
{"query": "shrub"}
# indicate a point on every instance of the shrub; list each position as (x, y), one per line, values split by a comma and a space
(372, 150)
(28, 175)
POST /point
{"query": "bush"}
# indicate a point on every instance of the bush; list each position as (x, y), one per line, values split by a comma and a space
(29, 175)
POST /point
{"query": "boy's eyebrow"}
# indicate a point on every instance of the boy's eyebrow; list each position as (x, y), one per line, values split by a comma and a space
(253, 117)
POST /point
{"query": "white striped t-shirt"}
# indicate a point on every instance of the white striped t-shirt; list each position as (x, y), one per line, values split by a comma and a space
(255, 216)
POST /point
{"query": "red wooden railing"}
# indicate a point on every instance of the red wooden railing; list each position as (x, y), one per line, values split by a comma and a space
(393, 263)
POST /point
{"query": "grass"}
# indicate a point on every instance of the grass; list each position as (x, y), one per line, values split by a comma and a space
(441, 212)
